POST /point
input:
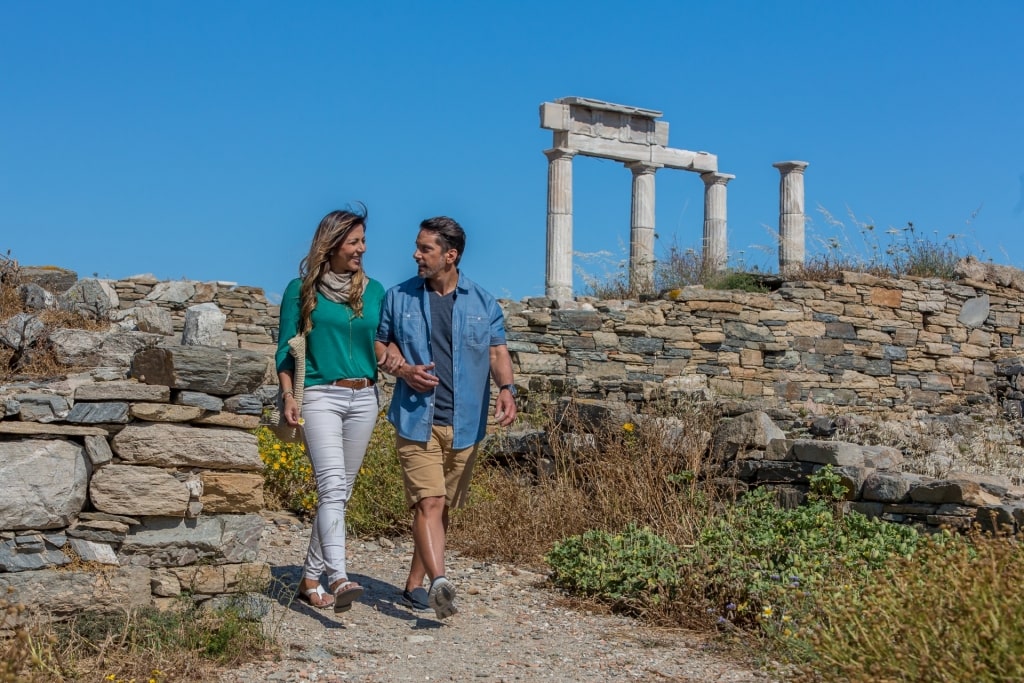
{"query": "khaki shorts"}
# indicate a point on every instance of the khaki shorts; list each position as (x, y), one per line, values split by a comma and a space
(434, 469)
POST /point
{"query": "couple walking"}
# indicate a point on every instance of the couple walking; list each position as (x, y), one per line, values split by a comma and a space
(443, 338)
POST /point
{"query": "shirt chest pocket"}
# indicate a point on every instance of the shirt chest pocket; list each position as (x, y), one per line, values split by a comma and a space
(477, 332)
(412, 329)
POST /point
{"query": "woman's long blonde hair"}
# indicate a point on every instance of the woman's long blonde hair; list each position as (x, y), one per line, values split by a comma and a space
(331, 232)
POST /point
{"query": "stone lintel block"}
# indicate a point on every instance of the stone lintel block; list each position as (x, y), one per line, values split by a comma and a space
(245, 577)
(554, 116)
(174, 445)
(107, 412)
(122, 391)
(164, 412)
(68, 593)
(952, 491)
(138, 490)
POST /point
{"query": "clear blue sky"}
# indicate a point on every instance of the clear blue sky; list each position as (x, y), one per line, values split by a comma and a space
(205, 140)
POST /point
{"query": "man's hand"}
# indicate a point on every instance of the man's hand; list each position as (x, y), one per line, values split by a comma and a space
(505, 408)
(418, 377)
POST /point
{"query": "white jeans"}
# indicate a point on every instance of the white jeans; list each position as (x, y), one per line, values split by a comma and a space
(339, 423)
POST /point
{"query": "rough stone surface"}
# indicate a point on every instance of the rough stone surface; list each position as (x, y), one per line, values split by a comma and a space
(51, 278)
(232, 492)
(164, 412)
(211, 539)
(90, 551)
(91, 298)
(112, 412)
(137, 491)
(38, 429)
(201, 368)
(171, 445)
(52, 478)
(42, 407)
(122, 391)
(98, 450)
(229, 420)
(750, 431)
(204, 324)
(154, 319)
(81, 348)
(200, 400)
(20, 331)
(67, 593)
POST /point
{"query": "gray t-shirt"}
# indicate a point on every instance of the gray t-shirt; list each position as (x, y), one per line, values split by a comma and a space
(441, 352)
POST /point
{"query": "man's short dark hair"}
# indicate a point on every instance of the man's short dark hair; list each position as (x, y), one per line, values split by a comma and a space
(449, 232)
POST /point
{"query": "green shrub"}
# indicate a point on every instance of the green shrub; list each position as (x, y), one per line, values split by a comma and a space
(287, 474)
(634, 568)
(377, 505)
(744, 282)
(763, 564)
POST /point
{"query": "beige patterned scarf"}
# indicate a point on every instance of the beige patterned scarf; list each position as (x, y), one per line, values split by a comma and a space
(340, 288)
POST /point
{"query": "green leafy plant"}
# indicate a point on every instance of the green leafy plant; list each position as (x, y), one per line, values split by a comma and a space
(632, 568)
(760, 563)
(287, 474)
(378, 506)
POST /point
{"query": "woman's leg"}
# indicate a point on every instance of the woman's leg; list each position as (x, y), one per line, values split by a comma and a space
(339, 423)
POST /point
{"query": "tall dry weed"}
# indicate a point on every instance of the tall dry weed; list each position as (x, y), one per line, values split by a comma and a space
(604, 476)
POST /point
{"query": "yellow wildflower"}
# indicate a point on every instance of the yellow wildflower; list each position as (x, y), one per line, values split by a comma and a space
(628, 427)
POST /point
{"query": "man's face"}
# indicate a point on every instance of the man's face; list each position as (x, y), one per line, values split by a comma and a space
(430, 256)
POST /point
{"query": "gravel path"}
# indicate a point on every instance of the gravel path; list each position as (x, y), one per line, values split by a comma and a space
(509, 628)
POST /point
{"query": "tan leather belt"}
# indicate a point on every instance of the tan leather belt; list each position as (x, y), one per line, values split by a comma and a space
(361, 383)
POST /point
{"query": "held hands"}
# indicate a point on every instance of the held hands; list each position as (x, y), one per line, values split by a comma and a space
(392, 361)
(505, 408)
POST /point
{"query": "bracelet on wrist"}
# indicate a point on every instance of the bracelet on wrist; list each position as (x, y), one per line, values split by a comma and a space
(288, 393)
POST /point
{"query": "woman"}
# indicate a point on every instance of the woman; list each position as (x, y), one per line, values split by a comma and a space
(337, 307)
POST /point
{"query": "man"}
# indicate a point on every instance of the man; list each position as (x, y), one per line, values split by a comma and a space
(451, 334)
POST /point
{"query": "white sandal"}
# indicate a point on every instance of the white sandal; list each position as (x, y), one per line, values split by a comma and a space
(306, 595)
(345, 594)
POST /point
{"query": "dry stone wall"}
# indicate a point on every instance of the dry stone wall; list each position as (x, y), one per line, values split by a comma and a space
(144, 463)
(862, 344)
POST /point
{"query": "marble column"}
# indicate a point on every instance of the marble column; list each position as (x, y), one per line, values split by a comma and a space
(791, 215)
(641, 232)
(716, 254)
(558, 276)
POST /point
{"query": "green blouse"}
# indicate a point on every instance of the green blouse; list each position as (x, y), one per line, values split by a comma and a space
(340, 346)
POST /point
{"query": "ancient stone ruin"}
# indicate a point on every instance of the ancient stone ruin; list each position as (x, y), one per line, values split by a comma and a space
(637, 138)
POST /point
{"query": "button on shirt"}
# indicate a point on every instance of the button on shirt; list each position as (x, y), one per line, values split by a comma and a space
(477, 325)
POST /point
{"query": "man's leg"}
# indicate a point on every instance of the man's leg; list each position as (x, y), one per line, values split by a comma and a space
(428, 537)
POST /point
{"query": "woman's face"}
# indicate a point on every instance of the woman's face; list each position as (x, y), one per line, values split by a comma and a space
(347, 257)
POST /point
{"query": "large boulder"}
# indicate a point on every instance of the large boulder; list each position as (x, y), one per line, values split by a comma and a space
(202, 368)
(52, 479)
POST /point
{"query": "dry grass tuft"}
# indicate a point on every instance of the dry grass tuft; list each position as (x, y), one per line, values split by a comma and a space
(604, 477)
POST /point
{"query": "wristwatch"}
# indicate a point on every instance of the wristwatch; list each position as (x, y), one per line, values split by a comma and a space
(511, 389)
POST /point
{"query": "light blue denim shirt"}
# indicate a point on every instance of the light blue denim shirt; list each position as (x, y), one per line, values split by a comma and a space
(477, 325)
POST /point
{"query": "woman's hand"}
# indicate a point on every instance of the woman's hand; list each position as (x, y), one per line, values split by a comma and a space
(291, 410)
(392, 360)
